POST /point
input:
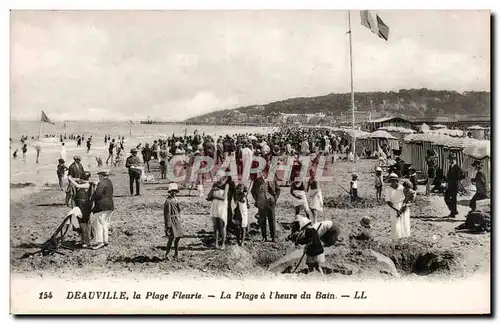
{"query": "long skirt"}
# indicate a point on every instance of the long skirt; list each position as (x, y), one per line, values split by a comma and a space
(219, 210)
(317, 200)
(302, 201)
(400, 226)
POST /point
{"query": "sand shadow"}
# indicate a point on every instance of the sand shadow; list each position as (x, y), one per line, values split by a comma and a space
(52, 205)
(121, 196)
(158, 188)
(29, 246)
(464, 202)
(441, 219)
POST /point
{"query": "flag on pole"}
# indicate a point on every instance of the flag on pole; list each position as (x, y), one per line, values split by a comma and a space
(46, 119)
(373, 22)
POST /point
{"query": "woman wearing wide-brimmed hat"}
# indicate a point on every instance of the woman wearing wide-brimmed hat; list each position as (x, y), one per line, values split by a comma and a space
(400, 217)
(173, 226)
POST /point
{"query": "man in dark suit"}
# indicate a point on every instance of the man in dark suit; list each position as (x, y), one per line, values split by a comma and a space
(103, 209)
(455, 174)
(132, 164)
(266, 193)
(75, 171)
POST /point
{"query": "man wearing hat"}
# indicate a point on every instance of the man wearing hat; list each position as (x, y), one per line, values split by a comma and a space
(75, 171)
(171, 213)
(480, 181)
(103, 209)
(455, 174)
(134, 172)
(265, 194)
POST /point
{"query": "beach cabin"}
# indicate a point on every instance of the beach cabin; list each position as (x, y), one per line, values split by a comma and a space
(476, 132)
(374, 124)
(449, 132)
(477, 150)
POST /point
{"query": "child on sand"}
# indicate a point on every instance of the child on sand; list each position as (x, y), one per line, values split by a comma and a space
(413, 179)
(61, 168)
(173, 226)
(379, 182)
(314, 248)
(354, 187)
(240, 218)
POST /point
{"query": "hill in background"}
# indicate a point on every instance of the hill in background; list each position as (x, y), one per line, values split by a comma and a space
(335, 108)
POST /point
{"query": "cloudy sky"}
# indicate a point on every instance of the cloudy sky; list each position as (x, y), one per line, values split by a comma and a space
(173, 65)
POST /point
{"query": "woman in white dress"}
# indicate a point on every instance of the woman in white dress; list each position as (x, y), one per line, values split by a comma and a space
(218, 195)
(316, 205)
(400, 217)
(299, 197)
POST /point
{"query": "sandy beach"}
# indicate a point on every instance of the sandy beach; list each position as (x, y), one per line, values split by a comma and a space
(138, 242)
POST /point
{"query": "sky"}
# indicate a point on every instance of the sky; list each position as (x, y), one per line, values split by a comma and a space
(172, 65)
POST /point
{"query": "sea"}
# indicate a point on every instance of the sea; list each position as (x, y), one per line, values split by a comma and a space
(44, 172)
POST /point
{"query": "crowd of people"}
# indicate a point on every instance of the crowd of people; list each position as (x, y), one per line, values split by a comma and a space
(229, 194)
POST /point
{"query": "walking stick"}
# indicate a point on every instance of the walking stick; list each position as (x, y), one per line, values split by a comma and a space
(300, 261)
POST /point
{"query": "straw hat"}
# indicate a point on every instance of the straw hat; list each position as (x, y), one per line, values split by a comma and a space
(365, 222)
(77, 157)
(393, 176)
(133, 150)
(378, 169)
(302, 220)
(173, 187)
(103, 172)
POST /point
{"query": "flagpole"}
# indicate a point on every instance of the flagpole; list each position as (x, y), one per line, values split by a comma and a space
(40, 129)
(352, 88)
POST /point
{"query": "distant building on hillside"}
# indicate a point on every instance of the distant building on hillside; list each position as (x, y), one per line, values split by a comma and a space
(456, 122)
(374, 124)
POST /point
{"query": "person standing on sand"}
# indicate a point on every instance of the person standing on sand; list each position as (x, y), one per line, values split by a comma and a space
(431, 160)
(146, 155)
(25, 149)
(163, 161)
(173, 226)
(240, 218)
(299, 197)
(314, 189)
(111, 151)
(75, 171)
(265, 194)
(132, 164)
(218, 195)
(400, 217)
(63, 152)
(455, 174)
(37, 150)
(89, 144)
(83, 194)
(103, 209)
(61, 169)
(480, 181)
(379, 183)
